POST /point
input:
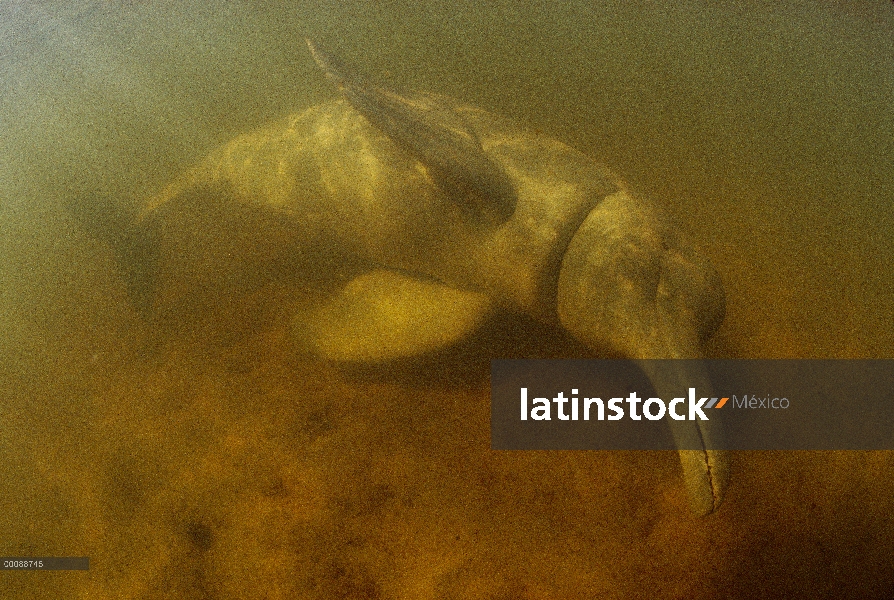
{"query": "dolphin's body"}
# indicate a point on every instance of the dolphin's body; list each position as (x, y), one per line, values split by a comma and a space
(413, 216)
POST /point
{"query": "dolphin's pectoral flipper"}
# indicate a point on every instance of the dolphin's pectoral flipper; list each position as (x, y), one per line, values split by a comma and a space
(436, 135)
(383, 315)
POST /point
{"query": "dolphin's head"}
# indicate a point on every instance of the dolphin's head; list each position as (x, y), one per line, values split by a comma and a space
(627, 283)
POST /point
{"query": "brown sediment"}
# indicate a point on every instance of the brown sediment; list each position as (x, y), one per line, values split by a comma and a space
(226, 467)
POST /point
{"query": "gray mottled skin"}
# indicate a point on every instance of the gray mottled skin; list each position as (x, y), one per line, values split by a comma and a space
(577, 248)
(436, 134)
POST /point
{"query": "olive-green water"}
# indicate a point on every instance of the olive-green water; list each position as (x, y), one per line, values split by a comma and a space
(208, 460)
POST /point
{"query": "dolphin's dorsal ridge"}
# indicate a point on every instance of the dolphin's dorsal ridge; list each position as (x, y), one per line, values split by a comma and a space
(434, 134)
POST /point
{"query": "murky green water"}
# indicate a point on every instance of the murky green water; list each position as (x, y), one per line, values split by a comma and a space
(208, 460)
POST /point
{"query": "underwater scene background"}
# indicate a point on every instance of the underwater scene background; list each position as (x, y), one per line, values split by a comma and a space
(199, 455)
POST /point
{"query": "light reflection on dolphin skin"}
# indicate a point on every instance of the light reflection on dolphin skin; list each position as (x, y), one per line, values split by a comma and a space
(437, 136)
